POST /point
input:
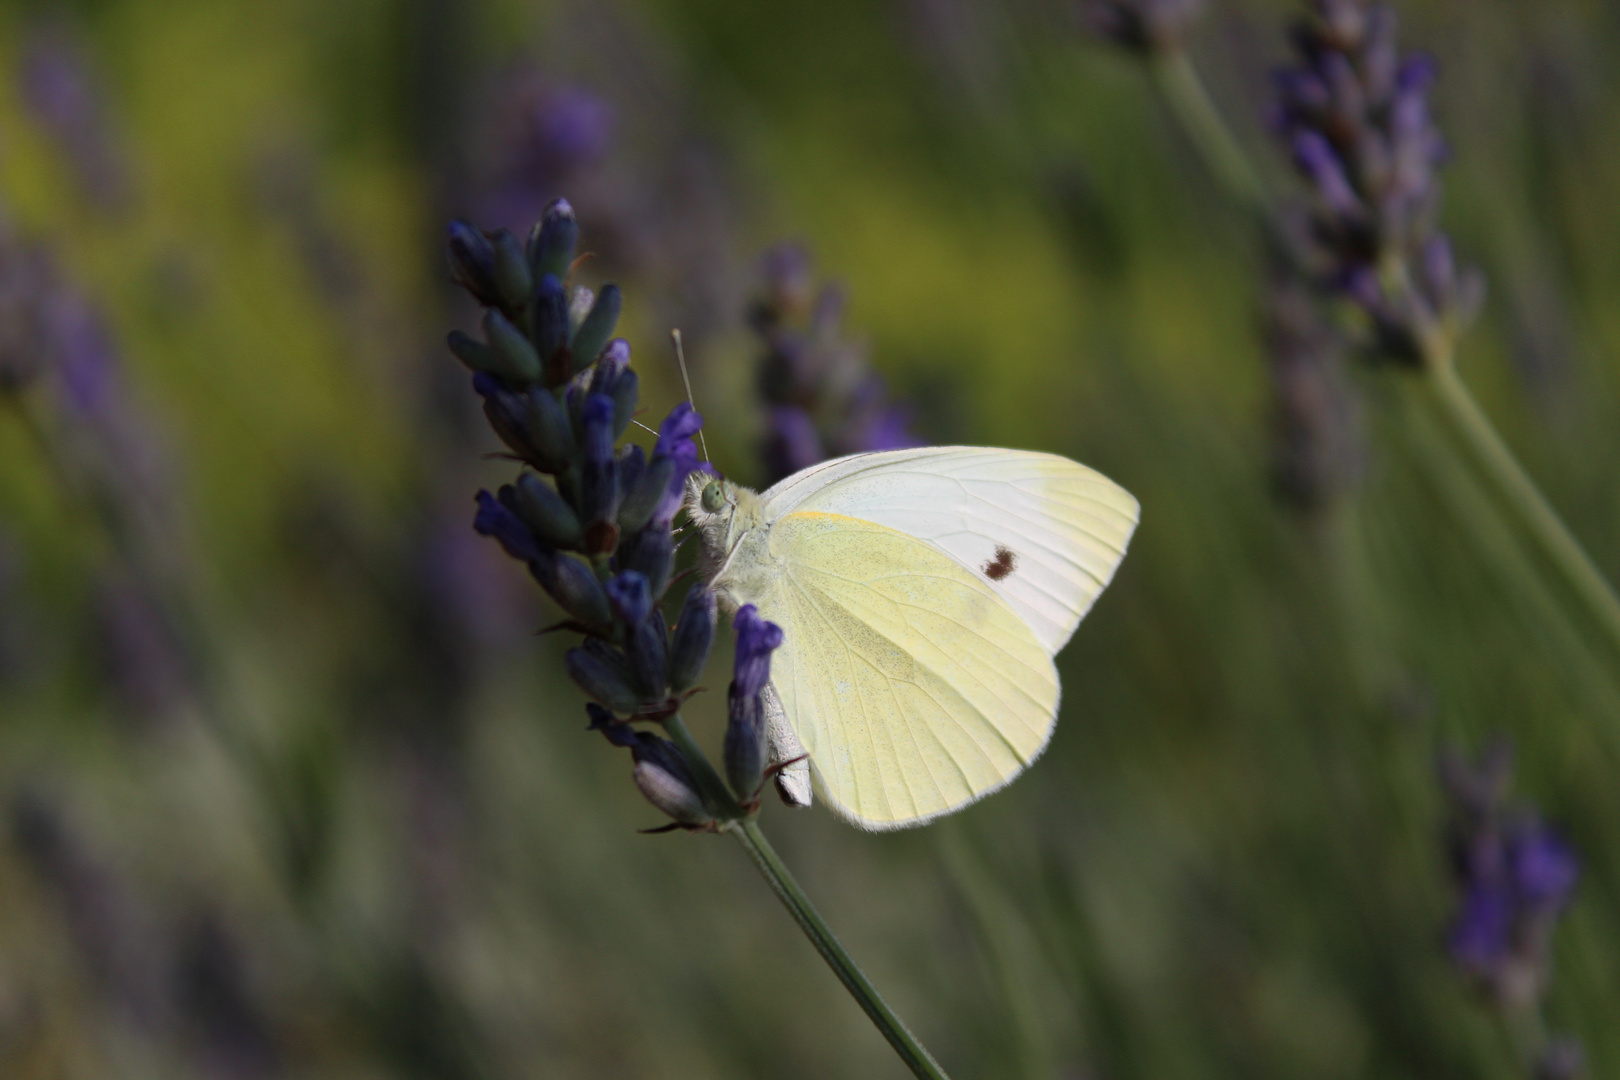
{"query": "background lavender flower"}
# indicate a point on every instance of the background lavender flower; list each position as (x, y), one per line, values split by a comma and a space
(60, 89)
(1515, 875)
(1317, 446)
(1354, 112)
(822, 398)
(27, 288)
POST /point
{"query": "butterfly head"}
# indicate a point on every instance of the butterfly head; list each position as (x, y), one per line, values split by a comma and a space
(724, 514)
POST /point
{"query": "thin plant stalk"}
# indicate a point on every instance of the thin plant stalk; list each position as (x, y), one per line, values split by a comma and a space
(1514, 487)
(746, 830)
(1189, 102)
(912, 1052)
(1179, 84)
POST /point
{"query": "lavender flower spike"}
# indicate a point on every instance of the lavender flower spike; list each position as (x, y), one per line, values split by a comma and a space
(1515, 875)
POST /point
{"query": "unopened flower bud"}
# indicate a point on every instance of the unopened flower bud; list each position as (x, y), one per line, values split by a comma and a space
(694, 635)
(594, 332)
(647, 647)
(647, 492)
(550, 318)
(515, 355)
(650, 551)
(604, 674)
(615, 378)
(745, 744)
(599, 485)
(552, 241)
(512, 276)
(472, 263)
(475, 354)
(630, 596)
(574, 586)
(497, 520)
(531, 422)
(545, 512)
(664, 778)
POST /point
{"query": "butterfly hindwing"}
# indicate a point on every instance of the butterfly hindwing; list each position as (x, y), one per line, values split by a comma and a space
(914, 685)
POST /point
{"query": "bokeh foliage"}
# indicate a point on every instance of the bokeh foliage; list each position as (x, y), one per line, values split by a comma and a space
(361, 831)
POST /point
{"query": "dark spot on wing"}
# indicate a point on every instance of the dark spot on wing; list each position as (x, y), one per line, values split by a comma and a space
(999, 567)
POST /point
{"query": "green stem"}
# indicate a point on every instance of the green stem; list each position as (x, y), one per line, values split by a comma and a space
(1185, 95)
(787, 890)
(1471, 507)
(1491, 456)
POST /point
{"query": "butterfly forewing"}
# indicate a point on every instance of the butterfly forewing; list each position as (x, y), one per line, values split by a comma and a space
(1045, 533)
(914, 685)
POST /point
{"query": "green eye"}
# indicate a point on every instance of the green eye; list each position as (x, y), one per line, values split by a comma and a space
(713, 497)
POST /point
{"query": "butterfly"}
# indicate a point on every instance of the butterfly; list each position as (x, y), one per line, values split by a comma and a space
(923, 594)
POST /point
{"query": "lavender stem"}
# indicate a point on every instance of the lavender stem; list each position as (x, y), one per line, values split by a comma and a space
(912, 1052)
(1184, 93)
(1515, 488)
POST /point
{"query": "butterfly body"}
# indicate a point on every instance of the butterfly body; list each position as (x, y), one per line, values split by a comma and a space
(922, 594)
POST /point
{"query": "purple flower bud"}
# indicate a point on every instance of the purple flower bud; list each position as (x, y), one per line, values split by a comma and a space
(604, 674)
(531, 422)
(745, 742)
(517, 361)
(664, 778)
(651, 552)
(599, 484)
(512, 277)
(675, 444)
(647, 646)
(594, 332)
(573, 584)
(644, 493)
(550, 315)
(630, 596)
(472, 263)
(544, 511)
(496, 520)
(552, 241)
(693, 637)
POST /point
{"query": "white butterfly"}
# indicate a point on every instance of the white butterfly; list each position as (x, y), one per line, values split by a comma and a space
(923, 594)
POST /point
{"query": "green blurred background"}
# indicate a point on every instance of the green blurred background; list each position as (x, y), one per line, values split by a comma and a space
(291, 789)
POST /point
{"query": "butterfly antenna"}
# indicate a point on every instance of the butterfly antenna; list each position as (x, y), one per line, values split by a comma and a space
(680, 358)
(642, 426)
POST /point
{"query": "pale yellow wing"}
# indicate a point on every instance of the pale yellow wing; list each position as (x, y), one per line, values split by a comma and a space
(914, 687)
(1044, 532)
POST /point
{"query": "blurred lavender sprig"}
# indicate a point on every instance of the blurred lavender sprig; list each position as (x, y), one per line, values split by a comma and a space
(1354, 112)
(1317, 446)
(61, 91)
(822, 396)
(1515, 874)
